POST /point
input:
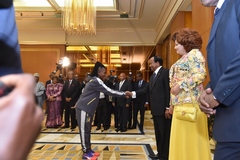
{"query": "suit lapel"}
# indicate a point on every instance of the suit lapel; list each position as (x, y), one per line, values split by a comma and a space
(153, 81)
(216, 22)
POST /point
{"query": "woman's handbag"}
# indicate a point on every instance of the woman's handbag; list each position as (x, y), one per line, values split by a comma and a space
(186, 111)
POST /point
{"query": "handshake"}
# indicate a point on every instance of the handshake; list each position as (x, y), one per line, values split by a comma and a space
(128, 94)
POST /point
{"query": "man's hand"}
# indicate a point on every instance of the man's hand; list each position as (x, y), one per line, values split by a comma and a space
(207, 102)
(167, 114)
(128, 93)
(146, 105)
(68, 99)
(20, 117)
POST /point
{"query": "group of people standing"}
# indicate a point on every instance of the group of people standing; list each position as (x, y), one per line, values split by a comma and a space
(60, 96)
(188, 141)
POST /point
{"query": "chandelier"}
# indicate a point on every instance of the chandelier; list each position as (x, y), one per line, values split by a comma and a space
(79, 17)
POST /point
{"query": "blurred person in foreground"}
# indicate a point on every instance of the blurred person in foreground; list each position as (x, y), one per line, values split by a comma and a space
(18, 109)
(222, 94)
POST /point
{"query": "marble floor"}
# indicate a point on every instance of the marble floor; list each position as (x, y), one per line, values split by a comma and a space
(64, 144)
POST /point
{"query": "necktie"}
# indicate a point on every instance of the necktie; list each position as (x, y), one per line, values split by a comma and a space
(154, 76)
(139, 84)
(216, 12)
(120, 85)
(69, 83)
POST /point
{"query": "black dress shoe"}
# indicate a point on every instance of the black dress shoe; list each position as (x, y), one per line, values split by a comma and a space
(72, 127)
(132, 127)
(106, 128)
(98, 128)
(65, 127)
(154, 156)
(118, 129)
(123, 130)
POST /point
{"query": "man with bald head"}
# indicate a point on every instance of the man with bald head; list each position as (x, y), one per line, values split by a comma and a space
(122, 103)
(70, 97)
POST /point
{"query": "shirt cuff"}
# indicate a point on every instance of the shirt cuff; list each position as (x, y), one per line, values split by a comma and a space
(134, 95)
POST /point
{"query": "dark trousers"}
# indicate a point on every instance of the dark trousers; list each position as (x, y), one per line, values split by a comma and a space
(102, 113)
(116, 120)
(85, 125)
(110, 110)
(227, 151)
(62, 109)
(138, 107)
(72, 112)
(130, 115)
(162, 127)
(123, 117)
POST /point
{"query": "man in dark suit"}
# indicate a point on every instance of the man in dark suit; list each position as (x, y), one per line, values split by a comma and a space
(159, 97)
(122, 103)
(222, 94)
(70, 97)
(140, 102)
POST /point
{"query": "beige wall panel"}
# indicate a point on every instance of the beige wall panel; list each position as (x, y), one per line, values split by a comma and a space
(38, 36)
(188, 19)
(177, 23)
(41, 59)
(202, 19)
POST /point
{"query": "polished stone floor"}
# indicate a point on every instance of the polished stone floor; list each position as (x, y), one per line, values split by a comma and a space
(64, 144)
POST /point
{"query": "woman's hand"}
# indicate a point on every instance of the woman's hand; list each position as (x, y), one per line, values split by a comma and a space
(175, 90)
(171, 109)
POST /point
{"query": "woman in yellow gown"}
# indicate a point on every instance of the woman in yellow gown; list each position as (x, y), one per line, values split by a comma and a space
(188, 140)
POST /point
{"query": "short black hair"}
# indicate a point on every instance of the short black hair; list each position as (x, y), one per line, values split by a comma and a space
(140, 74)
(158, 59)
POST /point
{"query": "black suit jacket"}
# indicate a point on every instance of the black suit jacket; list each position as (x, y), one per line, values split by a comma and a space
(159, 92)
(47, 83)
(142, 98)
(71, 92)
(6, 3)
(122, 101)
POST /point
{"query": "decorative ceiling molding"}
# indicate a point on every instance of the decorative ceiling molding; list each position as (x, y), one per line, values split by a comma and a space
(165, 18)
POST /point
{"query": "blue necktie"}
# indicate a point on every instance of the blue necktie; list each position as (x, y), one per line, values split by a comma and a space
(216, 12)
(154, 76)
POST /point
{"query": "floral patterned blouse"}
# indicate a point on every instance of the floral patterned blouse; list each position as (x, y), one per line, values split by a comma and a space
(188, 72)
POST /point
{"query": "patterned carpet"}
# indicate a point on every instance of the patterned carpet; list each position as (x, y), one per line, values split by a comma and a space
(64, 143)
(65, 151)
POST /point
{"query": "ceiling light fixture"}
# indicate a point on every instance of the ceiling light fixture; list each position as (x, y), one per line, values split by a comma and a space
(79, 17)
